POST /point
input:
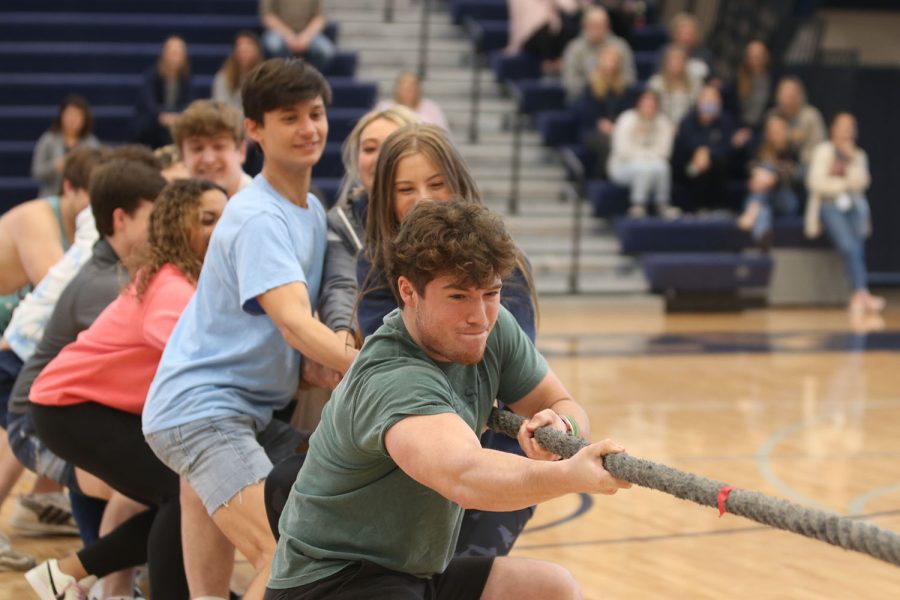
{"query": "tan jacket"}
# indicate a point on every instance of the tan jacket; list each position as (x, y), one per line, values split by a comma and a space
(823, 187)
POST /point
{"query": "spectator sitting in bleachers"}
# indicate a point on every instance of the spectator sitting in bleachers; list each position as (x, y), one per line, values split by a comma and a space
(245, 55)
(408, 93)
(753, 85)
(539, 27)
(676, 87)
(166, 91)
(703, 150)
(807, 128)
(684, 30)
(773, 176)
(582, 54)
(604, 97)
(296, 28)
(639, 158)
(837, 181)
(72, 127)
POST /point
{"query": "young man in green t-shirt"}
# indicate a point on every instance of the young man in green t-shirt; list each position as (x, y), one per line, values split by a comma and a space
(376, 508)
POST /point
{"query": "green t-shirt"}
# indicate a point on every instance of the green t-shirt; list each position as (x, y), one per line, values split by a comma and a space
(351, 502)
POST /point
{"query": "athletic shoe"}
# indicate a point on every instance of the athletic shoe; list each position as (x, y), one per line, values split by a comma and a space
(44, 514)
(12, 560)
(49, 583)
(637, 211)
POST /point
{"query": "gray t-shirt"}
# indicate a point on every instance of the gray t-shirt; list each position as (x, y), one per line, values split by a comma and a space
(351, 502)
(95, 286)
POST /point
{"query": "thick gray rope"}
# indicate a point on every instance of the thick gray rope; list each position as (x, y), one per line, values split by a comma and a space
(828, 527)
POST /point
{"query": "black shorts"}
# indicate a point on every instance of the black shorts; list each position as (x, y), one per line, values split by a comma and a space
(464, 579)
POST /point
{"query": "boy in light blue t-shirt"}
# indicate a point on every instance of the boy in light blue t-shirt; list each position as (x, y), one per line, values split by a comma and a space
(235, 354)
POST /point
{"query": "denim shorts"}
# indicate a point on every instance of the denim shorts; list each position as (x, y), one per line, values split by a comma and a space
(35, 456)
(221, 456)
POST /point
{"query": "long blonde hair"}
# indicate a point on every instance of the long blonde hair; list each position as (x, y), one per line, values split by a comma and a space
(350, 185)
(602, 85)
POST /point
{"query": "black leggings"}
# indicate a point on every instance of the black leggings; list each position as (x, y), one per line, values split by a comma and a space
(109, 444)
(482, 533)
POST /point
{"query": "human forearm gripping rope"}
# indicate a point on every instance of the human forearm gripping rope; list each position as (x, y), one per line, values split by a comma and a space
(828, 527)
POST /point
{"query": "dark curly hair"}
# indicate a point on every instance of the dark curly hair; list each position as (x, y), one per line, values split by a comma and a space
(175, 214)
(464, 240)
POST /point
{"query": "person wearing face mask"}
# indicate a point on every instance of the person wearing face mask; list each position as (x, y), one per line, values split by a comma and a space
(837, 181)
(703, 150)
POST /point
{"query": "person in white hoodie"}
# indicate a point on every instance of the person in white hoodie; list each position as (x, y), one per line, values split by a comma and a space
(837, 181)
(639, 159)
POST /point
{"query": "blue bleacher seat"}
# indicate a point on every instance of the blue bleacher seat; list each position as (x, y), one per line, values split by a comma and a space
(118, 27)
(535, 96)
(15, 158)
(513, 67)
(329, 188)
(15, 190)
(488, 36)
(558, 127)
(607, 198)
(124, 57)
(706, 271)
(787, 232)
(478, 9)
(649, 38)
(330, 165)
(220, 7)
(645, 63)
(640, 236)
(27, 123)
(341, 122)
(108, 88)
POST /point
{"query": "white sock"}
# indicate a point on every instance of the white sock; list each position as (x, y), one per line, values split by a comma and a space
(210, 598)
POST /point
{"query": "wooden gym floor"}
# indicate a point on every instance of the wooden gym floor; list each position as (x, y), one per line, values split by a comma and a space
(799, 404)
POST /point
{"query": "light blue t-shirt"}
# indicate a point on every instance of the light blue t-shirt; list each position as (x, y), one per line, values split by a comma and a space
(225, 356)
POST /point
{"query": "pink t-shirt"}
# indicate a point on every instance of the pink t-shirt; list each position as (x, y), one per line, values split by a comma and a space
(114, 361)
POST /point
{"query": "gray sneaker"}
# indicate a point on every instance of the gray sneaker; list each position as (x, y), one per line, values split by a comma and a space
(43, 514)
(11, 559)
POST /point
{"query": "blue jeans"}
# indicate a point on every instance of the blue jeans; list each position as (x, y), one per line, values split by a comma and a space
(847, 230)
(778, 201)
(320, 53)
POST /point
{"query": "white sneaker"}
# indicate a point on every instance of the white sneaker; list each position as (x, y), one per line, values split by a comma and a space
(637, 211)
(11, 559)
(44, 514)
(668, 212)
(49, 583)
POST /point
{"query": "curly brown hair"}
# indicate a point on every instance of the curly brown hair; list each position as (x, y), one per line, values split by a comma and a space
(176, 213)
(464, 240)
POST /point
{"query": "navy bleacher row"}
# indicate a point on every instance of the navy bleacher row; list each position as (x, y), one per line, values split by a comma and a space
(100, 48)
